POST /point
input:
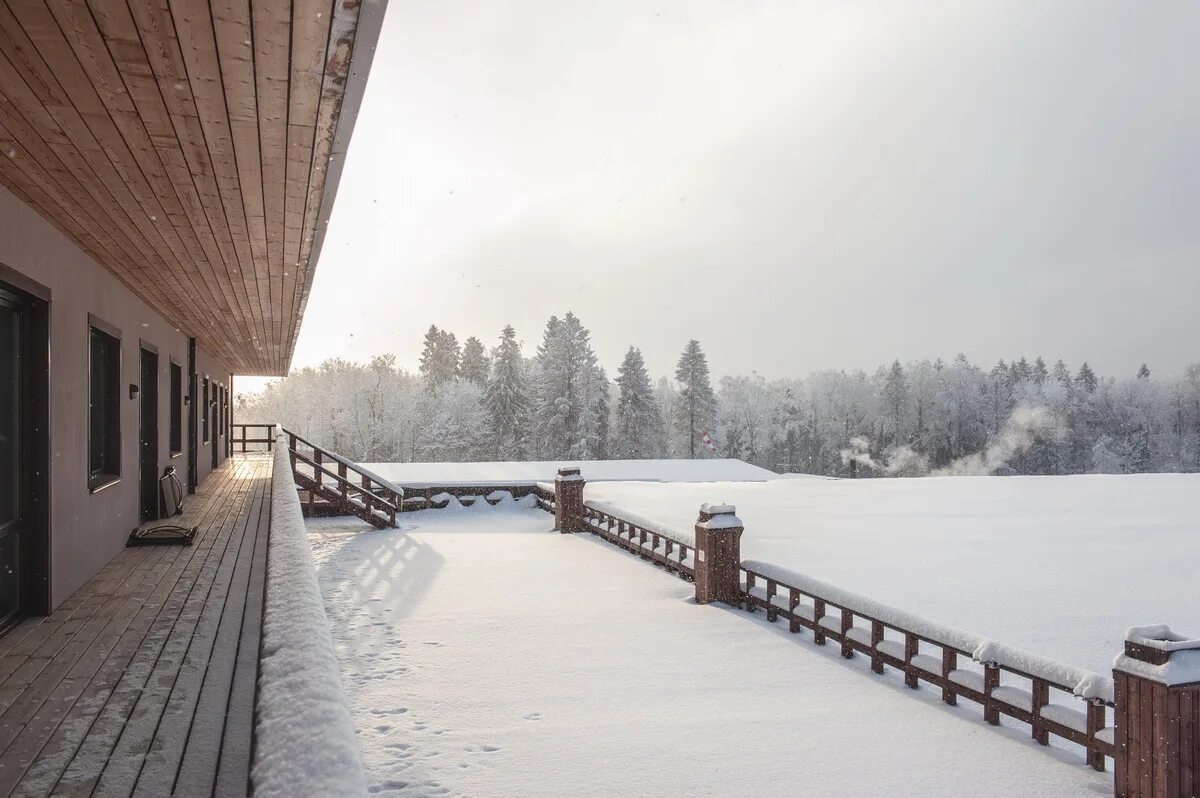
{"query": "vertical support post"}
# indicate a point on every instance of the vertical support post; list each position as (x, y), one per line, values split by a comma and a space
(718, 554)
(991, 680)
(1041, 697)
(1157, 682)
(847, 625)
(911, 646)
(876, 639)
(1095, 724)
(568, 500)
(949, 663)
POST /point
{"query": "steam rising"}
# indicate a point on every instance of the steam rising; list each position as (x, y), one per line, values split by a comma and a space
(1025, 425)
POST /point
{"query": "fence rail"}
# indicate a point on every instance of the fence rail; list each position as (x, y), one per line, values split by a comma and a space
(240, 436)
(674, 556)
(904, 650)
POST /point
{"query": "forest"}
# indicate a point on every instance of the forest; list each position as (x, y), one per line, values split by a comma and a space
(470, 402)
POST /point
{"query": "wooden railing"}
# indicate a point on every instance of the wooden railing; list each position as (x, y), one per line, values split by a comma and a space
(890, 643)
(658, 548)
(263, 442)
(327, 476)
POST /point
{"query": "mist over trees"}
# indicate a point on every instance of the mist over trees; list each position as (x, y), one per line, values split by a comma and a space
(471, 402)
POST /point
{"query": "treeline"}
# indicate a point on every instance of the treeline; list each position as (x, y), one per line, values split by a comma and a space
(468, 402)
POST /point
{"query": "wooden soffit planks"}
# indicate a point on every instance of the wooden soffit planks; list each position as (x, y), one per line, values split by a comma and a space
(186, 146)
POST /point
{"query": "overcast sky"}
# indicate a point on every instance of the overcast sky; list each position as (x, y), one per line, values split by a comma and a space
(799, 185)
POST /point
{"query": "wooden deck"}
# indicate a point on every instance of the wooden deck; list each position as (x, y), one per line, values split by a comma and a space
(143, 682)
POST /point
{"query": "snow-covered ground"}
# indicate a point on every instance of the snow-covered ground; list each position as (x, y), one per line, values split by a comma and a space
(485, 656)
(501, 473)
(1058, 566)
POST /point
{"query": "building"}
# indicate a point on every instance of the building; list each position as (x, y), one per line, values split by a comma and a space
(165, 178)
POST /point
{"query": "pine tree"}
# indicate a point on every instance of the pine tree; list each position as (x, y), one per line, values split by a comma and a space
(571, 408)
(1040, 373)
(429, 356)
(474, 366)
(439, 358)
(639, 419)
(895, 397)
(1086, 378)
(1143, 373)
(696, 407)
(507, 399)
(1062, 374)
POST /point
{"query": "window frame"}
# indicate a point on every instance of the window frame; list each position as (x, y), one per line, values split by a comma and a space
(110, 474)
(175, 399)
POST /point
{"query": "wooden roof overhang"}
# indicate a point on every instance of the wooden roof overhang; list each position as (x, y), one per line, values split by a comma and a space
(192, 147)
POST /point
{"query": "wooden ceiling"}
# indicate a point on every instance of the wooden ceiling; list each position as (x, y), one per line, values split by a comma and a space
(192, 147)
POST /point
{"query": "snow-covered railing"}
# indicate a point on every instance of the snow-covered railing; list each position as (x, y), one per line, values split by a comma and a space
(364, 494)
(433, 496)
(892, 637)
(305, 741)
(662, 546)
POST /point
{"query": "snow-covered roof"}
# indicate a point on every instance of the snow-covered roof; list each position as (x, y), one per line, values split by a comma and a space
(507, 473)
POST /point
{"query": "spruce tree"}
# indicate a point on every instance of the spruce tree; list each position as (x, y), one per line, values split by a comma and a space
(696, 407)
(1086, 378)
(639, 418)
(474, 366)
(571, 408)
(507, 399)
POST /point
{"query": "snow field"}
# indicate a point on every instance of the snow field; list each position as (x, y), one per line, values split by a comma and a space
(485, 656)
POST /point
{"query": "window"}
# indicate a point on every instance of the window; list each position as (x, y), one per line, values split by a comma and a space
(176, 409)
(221, 410)
(204, 414)
(104, 405)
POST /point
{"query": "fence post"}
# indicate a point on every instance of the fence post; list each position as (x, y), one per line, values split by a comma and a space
(568, 500)
(1157, 682)
(718, 555)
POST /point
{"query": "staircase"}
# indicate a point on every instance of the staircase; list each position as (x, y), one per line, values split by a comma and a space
(335, 486)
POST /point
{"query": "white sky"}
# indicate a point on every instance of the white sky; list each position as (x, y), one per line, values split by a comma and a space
(799, 185)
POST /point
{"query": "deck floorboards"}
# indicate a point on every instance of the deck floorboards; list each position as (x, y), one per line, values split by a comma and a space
(143, 681)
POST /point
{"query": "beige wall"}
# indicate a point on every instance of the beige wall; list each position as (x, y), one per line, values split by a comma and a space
(88, 529)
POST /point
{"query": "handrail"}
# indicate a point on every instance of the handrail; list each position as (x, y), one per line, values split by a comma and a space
(368, 496)
(375, 492)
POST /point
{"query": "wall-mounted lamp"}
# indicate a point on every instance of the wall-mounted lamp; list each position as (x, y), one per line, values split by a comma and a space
(133, 391)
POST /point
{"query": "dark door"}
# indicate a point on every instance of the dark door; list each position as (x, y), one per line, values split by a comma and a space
(148, 438)
(12, 485)
(215, 408)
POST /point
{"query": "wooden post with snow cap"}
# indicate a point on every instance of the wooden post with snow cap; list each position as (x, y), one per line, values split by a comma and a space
(718, 555)
(1157, 680)
(568, 500)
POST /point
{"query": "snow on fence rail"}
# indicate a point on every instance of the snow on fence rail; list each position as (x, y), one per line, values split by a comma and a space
(895, 638)
(305, 741)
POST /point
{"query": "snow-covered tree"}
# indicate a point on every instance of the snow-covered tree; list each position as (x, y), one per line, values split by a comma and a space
(507, 399)
(439, 358)
(639, 425)
(473, 365)
(570, 410)
(696, 407)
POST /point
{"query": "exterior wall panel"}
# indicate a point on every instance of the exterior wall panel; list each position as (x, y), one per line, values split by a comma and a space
(87, 529)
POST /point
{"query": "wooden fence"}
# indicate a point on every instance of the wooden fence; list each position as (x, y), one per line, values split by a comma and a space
(258, 437)
(890, 644)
